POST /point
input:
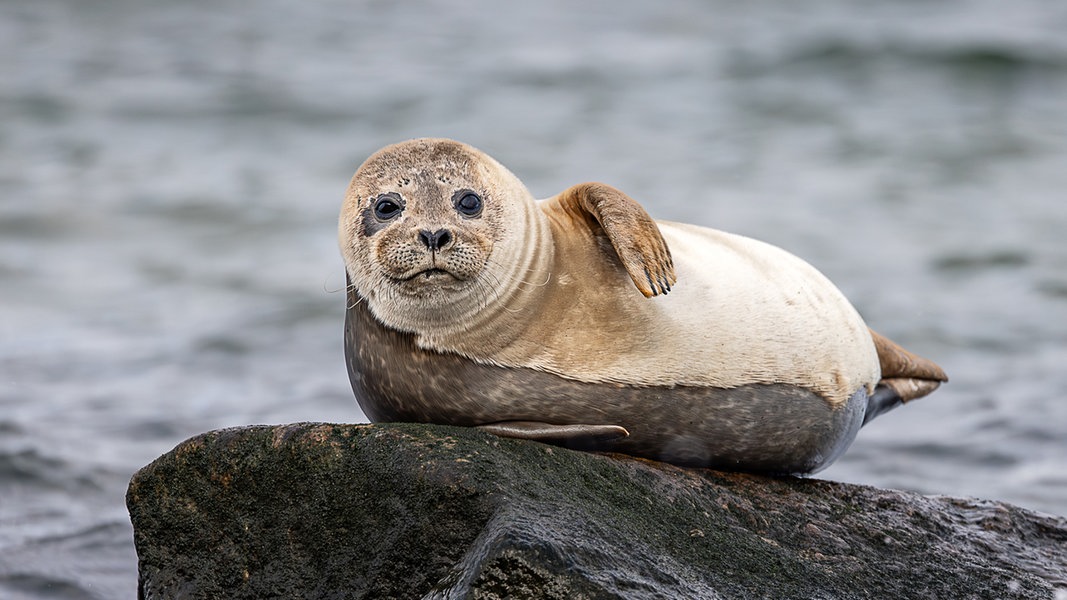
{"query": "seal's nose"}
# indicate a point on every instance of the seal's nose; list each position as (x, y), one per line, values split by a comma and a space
(435, 240)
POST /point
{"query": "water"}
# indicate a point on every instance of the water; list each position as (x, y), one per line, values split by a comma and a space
(170, 175)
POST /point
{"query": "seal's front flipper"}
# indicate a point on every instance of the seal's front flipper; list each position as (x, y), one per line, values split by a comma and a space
(634, 235)
(571, 436)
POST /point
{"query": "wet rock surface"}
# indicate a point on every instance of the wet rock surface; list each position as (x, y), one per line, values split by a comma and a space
(408, 511)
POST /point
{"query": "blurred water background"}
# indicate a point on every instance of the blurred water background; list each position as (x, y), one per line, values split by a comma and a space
(170, 175)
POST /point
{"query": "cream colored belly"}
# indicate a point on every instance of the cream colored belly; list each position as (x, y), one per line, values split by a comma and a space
(742, 312)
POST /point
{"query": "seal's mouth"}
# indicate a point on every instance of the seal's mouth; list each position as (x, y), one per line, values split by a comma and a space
(433, 274)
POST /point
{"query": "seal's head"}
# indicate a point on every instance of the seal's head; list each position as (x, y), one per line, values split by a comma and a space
(432, 231)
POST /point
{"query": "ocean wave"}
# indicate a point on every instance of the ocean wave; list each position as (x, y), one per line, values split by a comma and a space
(21, 586)
(970, 56)
(29, 467)
(88, 563)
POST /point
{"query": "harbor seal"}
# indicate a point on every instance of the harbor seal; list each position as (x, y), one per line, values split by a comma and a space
(581, 321)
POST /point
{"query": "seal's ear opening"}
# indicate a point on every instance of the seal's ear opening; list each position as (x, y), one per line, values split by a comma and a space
(634, 235)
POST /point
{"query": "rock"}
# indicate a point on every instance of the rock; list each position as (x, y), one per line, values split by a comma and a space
(410, 511)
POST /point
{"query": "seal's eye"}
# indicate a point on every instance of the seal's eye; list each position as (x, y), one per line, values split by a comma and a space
(387, 208)
(469, 204)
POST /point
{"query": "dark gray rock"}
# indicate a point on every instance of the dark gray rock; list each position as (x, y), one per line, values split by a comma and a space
(410, 511)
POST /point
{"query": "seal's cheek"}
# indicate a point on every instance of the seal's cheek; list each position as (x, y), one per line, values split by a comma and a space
(468, 256)
(398, 253)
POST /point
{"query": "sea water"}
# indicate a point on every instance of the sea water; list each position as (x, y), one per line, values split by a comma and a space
(170, 176)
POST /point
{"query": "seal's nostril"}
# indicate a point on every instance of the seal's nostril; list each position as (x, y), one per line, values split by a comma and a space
(435, 240)
(443, 238)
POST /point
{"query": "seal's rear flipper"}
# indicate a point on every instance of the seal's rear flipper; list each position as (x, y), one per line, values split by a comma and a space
(571, 436)
(909, 375)
(891, 392)
(883, 400)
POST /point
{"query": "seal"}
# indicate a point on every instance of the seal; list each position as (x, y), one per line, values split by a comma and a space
(580, 321)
